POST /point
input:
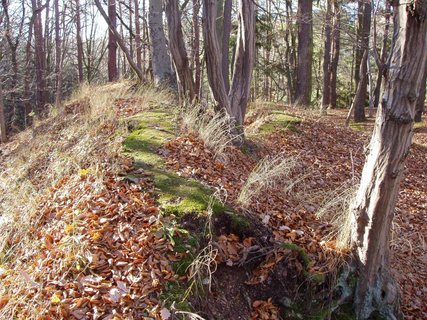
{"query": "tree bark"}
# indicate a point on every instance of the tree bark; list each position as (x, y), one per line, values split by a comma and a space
(160, 60)
(178, 50)
(113, 74)
(326, 97)
(305, 53)
(119, 40)
(40, 58)
(138, 36)
(196, 48)
(58, 53)
(3, 133)
(373, 209)
(421, 100)
(226, 31)
(336, 35)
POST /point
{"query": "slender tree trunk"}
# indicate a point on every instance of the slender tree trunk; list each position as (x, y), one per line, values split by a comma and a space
(120, 42)
(58, 53)
(161, 62)
(373, 209)
(3, 133)
(113, 74)
(421, 100)
(362, 88)
(138, 36)
(228, 6)
(196, 48)
(335, 52)
(359, 48)
(40, 58)
(305, 52)
(79, 41)
(178, 50)
(326, 97)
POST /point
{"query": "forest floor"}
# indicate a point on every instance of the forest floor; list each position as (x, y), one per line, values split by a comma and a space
(160, 228)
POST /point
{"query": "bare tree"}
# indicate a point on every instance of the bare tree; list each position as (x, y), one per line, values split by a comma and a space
(3, 133)
(326, 97)
(113, 73)
(79, 41)
(138, 36)
(421, 100)
(373, 208)
(336, 37)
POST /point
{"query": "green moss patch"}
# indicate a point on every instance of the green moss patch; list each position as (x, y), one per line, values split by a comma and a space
(279, 121)
(177, 195)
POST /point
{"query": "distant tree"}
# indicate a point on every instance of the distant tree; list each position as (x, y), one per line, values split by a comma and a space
(421, 100)
(160, 60)
(373, 208)
(335, 55)
(326, 97)
(113, 73)
(79, 41)
(3, 133)
(305, 53)
(138, 44)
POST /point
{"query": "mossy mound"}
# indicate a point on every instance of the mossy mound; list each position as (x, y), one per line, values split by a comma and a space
(177, 195)
(278, 121)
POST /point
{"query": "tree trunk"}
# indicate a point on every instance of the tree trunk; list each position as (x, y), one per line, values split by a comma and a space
(335, 52)
(196, 48)
(161, 62)
(420, 106)
(3, 133)
(79, 41)
(373, 209)
(326, 97)
(359, 50)
(119, 40)
(113, 74)
(305, 52)
(214, 57)
(40, 58)
(244, 63)
(138, 36)
(362, 88)
(58, 54)
(226, 31)
(178, 50)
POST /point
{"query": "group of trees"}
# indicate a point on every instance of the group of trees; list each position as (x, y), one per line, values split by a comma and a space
(327, 53)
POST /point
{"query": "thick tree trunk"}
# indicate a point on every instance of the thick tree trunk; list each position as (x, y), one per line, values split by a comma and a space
(79, 41)
(305, 53)
(226, 31)
(421, 100)
(214, 57)
(161, 62)
(244, 63)
(119, 40)
(113, 74)
(326, 97)
(178, 50)
(336, 36)
(373, 209)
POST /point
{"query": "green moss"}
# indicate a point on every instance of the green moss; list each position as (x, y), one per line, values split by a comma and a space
(279, 121)
(344, 312)
(175, 293)
(305, 260)
(239, 224)
(357, 126)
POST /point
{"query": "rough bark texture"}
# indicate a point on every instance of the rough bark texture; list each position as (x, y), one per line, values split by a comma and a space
(335, 52)
(138, 36)
(326, 97)
(196, 48)
(113, 73)
(178, 50)
(305, 53)
(420, 108)
(214, 57)
(244, 63)
(160, 60)
(373, 209)
(226, 31)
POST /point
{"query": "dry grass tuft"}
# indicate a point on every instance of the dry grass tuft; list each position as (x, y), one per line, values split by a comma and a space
(214, 130)
(266, 174)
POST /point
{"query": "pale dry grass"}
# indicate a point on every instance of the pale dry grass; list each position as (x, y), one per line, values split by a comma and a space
(214, 130)
(268, 172)
(36, 159)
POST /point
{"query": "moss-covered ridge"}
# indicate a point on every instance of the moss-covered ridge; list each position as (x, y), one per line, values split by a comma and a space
(176, 195)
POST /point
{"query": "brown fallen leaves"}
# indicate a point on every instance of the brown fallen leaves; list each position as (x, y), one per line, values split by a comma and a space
(264, 310)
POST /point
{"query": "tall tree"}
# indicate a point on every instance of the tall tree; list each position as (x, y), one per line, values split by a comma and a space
(326, 97)
(336, 38)
(79, 41)
(138, 36)
(178, 50)
(421, 100)
(196, 48)
(305, 53)
(113, 74)
(160, 60)
(373, 209)
(3, 133)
